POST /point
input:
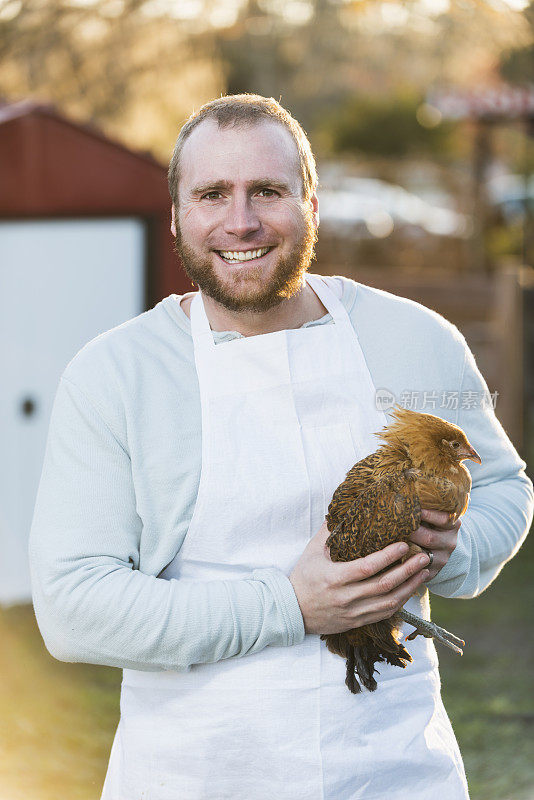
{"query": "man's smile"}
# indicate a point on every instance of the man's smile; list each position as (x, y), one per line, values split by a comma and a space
(239, 256)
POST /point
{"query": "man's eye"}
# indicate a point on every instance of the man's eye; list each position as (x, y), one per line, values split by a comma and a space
(268, 192)
(211, 196)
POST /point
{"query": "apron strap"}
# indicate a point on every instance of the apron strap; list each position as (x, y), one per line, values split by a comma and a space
(333, 305)
(327, 297)
(200, 326)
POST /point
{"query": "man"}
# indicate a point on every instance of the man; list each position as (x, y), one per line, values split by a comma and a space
(179, 526)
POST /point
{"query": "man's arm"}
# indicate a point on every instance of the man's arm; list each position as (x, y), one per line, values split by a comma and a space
(91, 601)
(501, 505)
(93, 604)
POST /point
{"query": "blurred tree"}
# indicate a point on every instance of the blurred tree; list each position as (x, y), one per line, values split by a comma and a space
(320, 56)
(119, 63)
(253, 51)
(385, 126)
(517, 65)
(139, 67)
(293, 51)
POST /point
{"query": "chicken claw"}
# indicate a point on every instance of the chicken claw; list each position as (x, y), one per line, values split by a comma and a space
(430, 630)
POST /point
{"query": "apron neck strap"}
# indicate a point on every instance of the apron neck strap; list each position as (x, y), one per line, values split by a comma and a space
(200, 326)
(327, 297)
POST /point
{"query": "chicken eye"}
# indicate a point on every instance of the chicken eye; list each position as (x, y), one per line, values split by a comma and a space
(456, 445)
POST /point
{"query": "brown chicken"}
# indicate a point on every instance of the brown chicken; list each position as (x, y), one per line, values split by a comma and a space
(418, 465)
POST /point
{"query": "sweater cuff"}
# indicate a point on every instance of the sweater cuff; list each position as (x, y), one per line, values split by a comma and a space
(285, 601)
(451, 578)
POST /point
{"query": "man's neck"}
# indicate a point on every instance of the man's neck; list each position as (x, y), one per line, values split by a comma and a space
(303, 307)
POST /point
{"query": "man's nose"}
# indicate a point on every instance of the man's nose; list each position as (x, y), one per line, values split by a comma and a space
(241, 218)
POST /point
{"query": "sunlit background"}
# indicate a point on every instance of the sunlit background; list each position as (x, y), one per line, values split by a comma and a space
(421, 116)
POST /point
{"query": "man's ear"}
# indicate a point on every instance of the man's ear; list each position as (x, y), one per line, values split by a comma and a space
(173, 221)
(314, 200)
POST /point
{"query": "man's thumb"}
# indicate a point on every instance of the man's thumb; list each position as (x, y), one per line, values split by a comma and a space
(321, 536)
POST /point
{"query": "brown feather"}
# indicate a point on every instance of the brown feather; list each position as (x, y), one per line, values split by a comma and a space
(418, 465)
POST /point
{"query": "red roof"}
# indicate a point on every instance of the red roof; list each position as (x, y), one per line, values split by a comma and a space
(50, 165)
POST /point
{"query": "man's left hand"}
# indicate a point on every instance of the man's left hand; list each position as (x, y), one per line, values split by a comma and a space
(439, 537)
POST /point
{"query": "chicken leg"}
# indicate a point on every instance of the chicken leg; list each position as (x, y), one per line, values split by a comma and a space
(430, 630)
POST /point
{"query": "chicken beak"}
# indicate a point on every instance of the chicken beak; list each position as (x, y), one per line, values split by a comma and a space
(473, 455)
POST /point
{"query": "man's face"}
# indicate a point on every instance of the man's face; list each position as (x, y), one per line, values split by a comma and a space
(243, 231)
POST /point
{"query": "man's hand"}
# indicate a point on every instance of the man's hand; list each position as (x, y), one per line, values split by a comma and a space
(338, 596)
(439, 538)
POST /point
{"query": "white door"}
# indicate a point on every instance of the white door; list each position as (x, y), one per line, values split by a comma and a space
(62, 282)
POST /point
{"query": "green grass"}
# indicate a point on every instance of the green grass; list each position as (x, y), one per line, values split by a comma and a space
(57, 720)
(489, 692)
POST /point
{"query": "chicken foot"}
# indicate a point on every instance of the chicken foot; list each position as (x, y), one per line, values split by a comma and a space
(430, 630)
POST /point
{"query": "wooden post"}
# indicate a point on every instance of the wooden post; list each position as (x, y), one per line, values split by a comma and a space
(481, 160)
(508, 321)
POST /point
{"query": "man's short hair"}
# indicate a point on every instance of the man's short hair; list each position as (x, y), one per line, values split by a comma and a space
(246, 109)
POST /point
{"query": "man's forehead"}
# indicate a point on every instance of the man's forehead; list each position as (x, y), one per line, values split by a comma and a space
(239, 152)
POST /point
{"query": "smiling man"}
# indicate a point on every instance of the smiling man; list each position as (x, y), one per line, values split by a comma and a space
(193, 451)
(246, 239)
(247, 226)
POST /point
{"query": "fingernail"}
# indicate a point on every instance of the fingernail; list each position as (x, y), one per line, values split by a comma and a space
(426, 574)
(424, 559)
(403, 548)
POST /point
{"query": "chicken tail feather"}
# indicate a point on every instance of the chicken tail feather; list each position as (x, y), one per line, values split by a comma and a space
(350, 680)
(364, 647)
(364, 664)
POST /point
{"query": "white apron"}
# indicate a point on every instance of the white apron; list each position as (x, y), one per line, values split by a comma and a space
(284, 416)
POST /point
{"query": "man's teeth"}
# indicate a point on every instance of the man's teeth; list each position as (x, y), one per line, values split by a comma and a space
(248, 255)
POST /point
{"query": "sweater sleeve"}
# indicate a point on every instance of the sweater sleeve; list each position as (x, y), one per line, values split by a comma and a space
(500, 510)
(92, 603)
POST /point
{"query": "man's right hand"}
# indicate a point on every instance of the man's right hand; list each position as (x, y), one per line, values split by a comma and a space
(338, 596)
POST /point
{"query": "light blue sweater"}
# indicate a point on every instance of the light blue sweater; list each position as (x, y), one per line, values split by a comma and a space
(122, 469)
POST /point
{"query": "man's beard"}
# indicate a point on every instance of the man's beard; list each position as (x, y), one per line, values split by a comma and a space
(285, 281)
